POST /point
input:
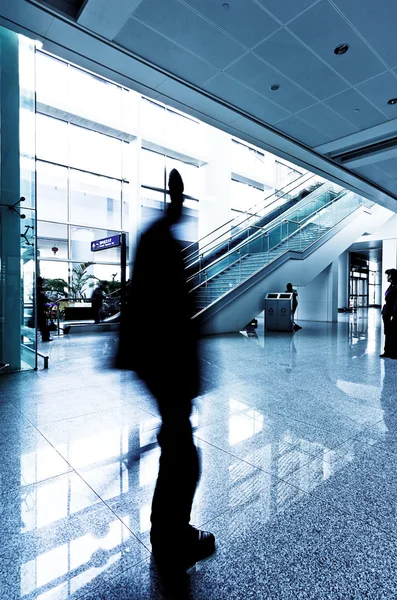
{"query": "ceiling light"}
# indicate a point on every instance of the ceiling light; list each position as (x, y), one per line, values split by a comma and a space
(225, 6)
(341, 49)
(274, 87)
(356, 110)
(392, 101)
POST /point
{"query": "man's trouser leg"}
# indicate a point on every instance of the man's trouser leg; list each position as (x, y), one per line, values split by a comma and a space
(176, 483)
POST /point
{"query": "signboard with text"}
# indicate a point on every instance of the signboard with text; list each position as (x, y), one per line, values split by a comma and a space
(105, 243)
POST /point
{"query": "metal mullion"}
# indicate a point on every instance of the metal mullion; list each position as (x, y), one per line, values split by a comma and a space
(50, 162)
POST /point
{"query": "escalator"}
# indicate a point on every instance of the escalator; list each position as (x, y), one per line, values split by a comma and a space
(232, 233)
(228, 292)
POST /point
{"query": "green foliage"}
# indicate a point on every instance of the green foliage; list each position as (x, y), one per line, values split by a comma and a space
(56, 285)
(80, 279)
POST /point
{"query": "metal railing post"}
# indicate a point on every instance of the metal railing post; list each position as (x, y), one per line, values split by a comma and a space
(58, 332)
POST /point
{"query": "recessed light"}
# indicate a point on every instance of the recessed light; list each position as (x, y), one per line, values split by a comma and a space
(341, 49)
(393, 101)
(356, 110)
(225, 6)
(274, 87)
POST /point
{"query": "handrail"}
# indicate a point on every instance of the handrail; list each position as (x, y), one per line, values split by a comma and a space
(256, 235)
(278, 195)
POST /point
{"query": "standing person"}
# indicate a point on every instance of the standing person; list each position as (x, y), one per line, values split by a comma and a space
(42, 324)
(97, 302)
(291, 290)
(389, 316)
(169, 366)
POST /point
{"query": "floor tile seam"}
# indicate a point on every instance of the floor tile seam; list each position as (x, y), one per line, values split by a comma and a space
(291, 445)
(110, 579)
(235, 456)
(104, 502)
(310, 424)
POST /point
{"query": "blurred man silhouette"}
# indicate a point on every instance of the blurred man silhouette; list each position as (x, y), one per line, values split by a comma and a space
(168, 363)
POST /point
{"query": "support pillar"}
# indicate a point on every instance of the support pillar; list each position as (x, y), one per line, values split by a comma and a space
(10, 222)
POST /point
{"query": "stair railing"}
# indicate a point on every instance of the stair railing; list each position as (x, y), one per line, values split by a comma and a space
(251, 214)
(313, 217)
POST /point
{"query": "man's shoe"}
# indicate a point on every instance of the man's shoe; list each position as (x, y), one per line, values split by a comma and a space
(202, 545)
(172, 558)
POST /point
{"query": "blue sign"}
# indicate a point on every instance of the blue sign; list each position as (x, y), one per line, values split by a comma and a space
(105, 243)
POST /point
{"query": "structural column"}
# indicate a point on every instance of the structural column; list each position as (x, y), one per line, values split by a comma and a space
(10, 222)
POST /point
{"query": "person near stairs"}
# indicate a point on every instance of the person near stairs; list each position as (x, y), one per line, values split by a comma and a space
(169, 366)
(292, 290)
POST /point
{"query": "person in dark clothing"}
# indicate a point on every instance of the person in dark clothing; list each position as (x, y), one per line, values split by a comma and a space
(291, 290)
(169, 366)
(389, 316)
(42, 324)
(97, 302)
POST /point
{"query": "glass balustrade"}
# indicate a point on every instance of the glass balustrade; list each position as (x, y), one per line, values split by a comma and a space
(301, 229)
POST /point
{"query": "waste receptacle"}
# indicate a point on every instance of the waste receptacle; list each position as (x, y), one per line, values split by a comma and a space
(278, 312)
(271, 312)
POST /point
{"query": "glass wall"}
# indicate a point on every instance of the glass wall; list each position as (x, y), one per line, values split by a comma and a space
(82, 178)
(155, 170)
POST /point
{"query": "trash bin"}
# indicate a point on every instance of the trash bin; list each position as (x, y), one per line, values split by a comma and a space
(278, 312)
(271, 312)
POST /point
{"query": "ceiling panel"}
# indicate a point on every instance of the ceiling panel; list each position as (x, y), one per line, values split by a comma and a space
(325, 120)
(376, 21)
(285, 9)
(371, 172)
(322, 28)
(189, 98)
(301, 131)
(103, 55)
(389, 167)
(351, 105)
(256, 74)
(380, 90)
(238, 95)
(17, 11)
(188, 29)
(288, 55)
(244, 19)
(145, 42)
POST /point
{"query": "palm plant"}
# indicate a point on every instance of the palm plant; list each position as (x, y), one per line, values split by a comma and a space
(80, 278)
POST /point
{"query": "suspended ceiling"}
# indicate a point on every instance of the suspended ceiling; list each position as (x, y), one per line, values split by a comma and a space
(219, 59)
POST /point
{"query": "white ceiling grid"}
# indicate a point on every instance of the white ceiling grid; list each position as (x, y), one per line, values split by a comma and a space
(235, 50)
(252, 44)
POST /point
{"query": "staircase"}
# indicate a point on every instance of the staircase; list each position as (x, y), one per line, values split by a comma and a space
(248, 264)
(235, 282)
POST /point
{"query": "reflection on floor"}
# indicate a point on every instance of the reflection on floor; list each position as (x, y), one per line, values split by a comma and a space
(298, 436)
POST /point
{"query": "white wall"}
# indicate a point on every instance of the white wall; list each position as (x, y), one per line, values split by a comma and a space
(318, 300)
(343, 280)
(215, 202)
(389, 260)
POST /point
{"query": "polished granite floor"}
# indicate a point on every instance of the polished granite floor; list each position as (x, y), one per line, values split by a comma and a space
(298, 437)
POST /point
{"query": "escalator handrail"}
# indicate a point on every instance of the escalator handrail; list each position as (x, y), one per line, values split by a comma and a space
(278, 195)
(258, 234)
